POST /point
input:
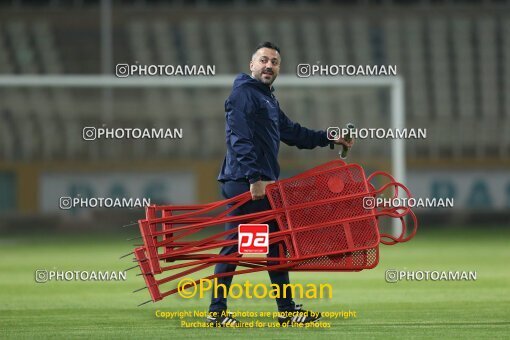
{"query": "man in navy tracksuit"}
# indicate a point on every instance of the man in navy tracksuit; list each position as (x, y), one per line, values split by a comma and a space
(255, 125)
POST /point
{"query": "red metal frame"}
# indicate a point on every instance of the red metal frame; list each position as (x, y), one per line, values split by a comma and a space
(322, 226)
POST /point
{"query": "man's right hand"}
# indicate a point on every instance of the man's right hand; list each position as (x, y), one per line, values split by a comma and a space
(258, 189)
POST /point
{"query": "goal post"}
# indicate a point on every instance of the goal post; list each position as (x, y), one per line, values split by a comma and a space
(393, 83)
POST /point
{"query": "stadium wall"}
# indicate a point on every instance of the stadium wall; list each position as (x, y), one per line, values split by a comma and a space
(27, 187)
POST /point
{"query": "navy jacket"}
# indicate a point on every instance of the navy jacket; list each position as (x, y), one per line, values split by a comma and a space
(255, 125)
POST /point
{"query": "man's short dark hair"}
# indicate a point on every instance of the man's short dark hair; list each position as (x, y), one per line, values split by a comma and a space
(267, 44)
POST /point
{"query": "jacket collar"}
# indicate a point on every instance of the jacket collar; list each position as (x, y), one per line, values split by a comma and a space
(263, 86)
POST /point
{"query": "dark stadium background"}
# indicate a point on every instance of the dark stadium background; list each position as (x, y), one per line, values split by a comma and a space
(453, 56)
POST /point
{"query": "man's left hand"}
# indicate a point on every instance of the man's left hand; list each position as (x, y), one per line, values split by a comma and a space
(342, 141)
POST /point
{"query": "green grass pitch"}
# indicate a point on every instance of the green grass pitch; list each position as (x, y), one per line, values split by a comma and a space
(465, 309)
